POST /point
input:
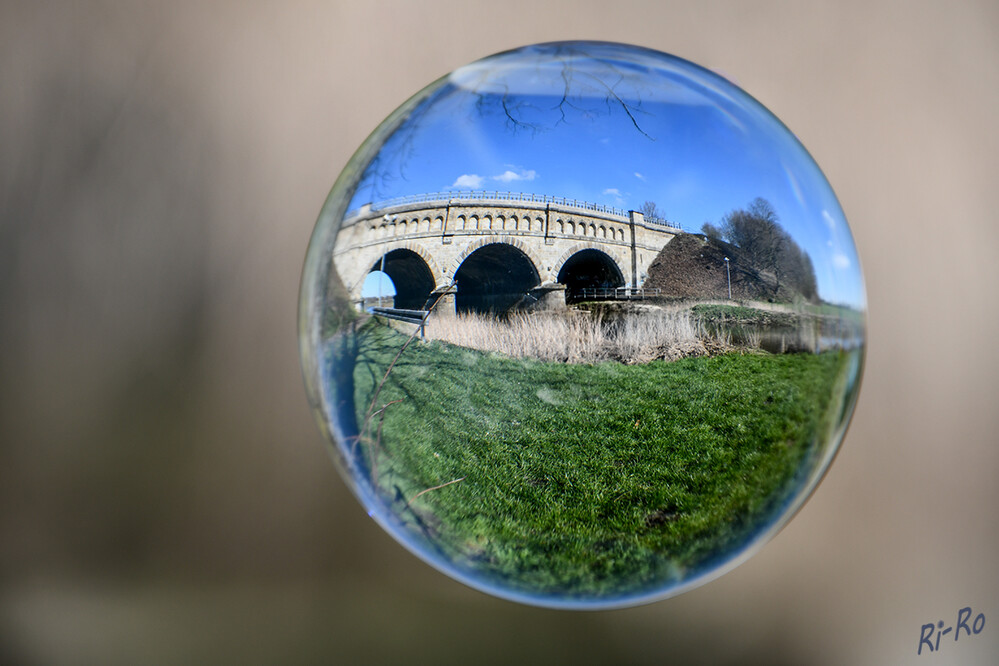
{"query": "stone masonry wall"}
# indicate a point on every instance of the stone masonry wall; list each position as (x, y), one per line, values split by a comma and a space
(445, 233)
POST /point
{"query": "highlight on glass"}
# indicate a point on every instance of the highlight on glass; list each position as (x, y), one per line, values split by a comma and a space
(583, 324)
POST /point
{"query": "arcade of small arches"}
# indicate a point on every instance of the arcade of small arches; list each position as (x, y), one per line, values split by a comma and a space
(393, 227)
(486, 256)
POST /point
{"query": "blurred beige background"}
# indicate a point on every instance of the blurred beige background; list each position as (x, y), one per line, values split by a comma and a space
(165, 496)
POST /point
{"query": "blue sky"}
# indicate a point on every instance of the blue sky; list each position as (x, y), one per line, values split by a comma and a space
(377, 283)
(616, 126)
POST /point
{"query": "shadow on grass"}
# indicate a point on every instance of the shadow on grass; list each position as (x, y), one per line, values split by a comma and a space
(589, 480)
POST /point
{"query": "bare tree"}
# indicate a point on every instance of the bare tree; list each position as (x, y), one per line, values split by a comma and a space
(800, 272)
(712, 232)
(582, 85)
(769, 247)
(651, 211)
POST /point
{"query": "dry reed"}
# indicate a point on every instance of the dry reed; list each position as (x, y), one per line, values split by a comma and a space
(575, 337)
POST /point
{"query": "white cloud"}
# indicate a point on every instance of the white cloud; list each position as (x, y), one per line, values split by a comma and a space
(640, 177)
(616, 193)
(508, 175)
(840, 261)
(830, 222)
(469, 180)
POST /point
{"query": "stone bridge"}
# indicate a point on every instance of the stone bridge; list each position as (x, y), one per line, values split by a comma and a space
(496, 251)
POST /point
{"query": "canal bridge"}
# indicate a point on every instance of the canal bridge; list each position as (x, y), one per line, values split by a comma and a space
(496, 251)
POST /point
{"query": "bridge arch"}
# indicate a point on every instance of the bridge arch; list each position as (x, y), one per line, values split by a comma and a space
(587, 267)
(411, 274)
(494, 276)
(524, 247)
(445, 232)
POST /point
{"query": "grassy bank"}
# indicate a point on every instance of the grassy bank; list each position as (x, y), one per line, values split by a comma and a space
(741, 315)
(586, 479)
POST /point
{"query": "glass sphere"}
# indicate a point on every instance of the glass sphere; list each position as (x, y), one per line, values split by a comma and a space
(583, 323)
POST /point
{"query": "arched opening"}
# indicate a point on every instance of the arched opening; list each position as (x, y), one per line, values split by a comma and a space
(494, 279)
(378, 290)
(588, 269)
(410, 276)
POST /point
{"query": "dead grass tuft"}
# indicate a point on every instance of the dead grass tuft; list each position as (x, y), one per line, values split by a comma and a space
(580, 337)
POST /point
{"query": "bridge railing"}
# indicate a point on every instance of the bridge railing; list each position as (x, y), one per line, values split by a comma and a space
(614, 293)
(418, 317)
(490, 195)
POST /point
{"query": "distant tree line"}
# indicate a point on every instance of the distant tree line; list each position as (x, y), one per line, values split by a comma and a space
(764, 242)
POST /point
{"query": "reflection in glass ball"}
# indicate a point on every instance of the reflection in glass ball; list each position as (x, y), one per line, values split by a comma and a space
(583, 323)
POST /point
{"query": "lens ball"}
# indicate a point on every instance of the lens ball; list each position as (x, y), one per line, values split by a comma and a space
(583, 324)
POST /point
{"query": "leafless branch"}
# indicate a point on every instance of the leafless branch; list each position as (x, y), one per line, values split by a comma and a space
(423, 492)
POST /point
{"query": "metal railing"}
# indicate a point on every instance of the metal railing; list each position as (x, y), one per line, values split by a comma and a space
(614, 293)
(418, 317)
(661, 221)
(490, 195)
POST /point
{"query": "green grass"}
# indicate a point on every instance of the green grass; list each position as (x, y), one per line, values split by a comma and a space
(584, 480)
(737, 314)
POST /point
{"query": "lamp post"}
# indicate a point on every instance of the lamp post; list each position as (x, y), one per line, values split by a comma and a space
(728, 274)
